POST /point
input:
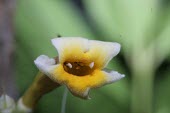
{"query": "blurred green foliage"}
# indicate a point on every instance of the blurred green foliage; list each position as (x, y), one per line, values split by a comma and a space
(140, 26)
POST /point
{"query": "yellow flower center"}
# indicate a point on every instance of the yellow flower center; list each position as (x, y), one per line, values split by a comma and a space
(78, 68)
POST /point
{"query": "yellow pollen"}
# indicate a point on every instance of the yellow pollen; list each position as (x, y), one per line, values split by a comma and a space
(78, 68)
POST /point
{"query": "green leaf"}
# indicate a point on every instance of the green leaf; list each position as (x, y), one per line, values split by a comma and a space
(126, 21)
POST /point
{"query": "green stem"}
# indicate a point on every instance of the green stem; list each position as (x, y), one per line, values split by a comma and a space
(142, 85)
(64, 100)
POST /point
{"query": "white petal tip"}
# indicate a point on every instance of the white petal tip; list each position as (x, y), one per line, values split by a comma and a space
(45, 64)
(88, 98)
(81, 94)
(116, 48)
(55, 41)
(122, 75)
(113, 76)
(117, 76)
(91, 65)
(44, 60)
(22, 108)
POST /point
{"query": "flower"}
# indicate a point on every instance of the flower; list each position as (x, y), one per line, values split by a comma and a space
(7, 104)
(81, 64)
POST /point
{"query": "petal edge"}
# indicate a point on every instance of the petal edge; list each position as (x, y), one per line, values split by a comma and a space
(103, 52)
(45, 64)
(113, 76)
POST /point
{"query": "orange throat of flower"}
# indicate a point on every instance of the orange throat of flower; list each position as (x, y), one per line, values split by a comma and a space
(78, 68)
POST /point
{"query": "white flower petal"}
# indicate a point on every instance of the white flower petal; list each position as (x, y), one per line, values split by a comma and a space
(70, 43)
(7, 104)
(113, 76)
(107, 50)
(22, 108)
(45, 64)
(74, 47)
(84, 94)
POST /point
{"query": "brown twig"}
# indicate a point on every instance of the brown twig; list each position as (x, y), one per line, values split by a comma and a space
(6, 47)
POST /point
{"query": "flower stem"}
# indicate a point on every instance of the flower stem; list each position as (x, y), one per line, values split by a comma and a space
(40, 86)
(64, 100)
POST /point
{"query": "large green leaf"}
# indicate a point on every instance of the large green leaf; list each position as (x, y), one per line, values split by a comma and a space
(123, 20)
